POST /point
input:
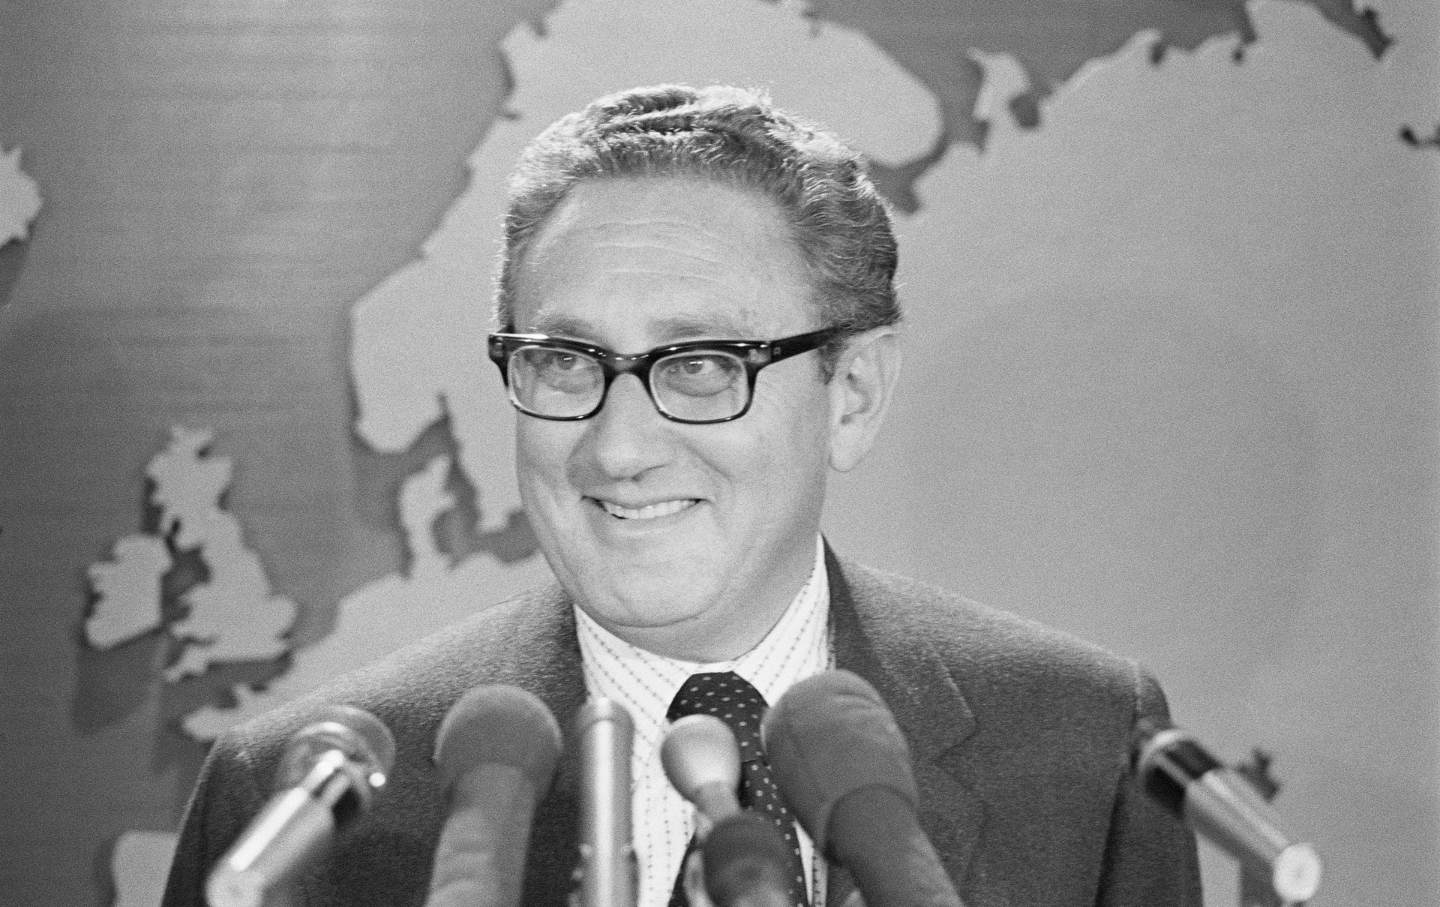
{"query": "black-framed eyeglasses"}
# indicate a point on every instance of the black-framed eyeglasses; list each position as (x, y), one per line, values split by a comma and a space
(696, 382)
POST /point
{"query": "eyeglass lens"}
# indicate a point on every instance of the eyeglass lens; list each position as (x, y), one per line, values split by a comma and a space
(699, 385)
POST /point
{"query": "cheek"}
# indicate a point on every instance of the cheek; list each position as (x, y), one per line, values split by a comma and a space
(775, 460)
(541, 453)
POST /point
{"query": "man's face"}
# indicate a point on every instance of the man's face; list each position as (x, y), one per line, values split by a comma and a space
(688, 540)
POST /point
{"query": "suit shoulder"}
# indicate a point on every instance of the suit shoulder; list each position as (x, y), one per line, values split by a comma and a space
(987, 645)
(512, 642)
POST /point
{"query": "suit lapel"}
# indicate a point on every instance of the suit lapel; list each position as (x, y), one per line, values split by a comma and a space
(552, 670)
(872, 640)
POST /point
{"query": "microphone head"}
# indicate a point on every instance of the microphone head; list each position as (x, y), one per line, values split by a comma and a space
(1167, 759)
(501, 724)
(604, 711)
(828, 736)
(745, 860)
(362, 738)
(1149, 734)
(700, 751)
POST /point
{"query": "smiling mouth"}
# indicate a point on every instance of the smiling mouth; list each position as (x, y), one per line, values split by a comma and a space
(649, 511)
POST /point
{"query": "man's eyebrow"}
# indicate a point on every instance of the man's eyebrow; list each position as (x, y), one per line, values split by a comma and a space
(726, 326)
(560, 326)
(717, 326)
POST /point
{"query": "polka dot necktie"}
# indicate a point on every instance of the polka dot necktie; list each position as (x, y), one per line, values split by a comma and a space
(732, 699)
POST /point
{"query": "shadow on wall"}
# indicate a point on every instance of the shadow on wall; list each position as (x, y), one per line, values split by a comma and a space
(12, 262)
(457, 530)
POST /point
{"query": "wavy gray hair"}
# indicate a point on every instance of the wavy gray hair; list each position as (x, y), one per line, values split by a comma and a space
(839, 221)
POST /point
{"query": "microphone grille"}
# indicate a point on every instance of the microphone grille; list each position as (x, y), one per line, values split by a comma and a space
(1143, 735)
(699, 750)
(744, 857)
(359, 735)
(501, 724)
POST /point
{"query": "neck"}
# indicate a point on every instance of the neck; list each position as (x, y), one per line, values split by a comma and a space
(701, 640)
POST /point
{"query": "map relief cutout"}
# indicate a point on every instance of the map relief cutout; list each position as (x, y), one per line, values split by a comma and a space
(229, 614)
(938, 42)
(20, 203)
(431, 591)
(19, 198)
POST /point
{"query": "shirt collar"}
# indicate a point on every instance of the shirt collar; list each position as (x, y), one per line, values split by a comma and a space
(795, 648)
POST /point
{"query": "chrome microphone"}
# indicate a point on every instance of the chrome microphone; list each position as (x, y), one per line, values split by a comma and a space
(607, 872)
(328, 775)
(1223, 807)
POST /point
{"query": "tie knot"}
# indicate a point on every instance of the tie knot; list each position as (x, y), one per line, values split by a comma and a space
(729, 697)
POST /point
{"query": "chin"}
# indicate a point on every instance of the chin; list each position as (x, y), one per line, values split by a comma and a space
(646, 611)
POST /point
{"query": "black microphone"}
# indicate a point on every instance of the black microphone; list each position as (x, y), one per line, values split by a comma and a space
(745, 860)
(607, 872)
(328, 775)
(1221, 805)
(496, 752)
(844, 767)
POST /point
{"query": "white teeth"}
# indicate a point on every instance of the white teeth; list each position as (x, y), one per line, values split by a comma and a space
(649, 511)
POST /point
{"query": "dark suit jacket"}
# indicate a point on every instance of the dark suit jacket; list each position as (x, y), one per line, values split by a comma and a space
(1018, 735)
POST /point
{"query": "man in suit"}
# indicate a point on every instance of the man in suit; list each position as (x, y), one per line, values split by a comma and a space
(698, 323)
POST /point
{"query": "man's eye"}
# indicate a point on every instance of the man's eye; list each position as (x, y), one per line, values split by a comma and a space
(561, 370)
(698, 366)
(701, 374)
(556, 361)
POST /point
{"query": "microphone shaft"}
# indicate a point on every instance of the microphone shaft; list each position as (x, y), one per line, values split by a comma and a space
(1221, 805)
(480, 858)
(287, 834)
(715, 802)
(874, 834)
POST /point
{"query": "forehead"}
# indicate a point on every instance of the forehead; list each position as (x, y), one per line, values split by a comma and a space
(672, 255)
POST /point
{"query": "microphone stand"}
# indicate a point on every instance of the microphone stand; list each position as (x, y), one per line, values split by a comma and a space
(1256, 890)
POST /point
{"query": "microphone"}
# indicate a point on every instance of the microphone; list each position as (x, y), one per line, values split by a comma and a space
(607, 872)
(328, 775)
(702, 761)
(745, 862)
(744, 857)
(496, 752)
(844, 767)
(1220, 804)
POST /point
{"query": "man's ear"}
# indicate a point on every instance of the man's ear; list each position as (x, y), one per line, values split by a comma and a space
(860, 392)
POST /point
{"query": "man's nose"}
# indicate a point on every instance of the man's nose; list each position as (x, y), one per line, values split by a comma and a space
(628, 436)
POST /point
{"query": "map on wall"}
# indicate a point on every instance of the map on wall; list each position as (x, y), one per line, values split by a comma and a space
(19, 198)
(951, 117)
